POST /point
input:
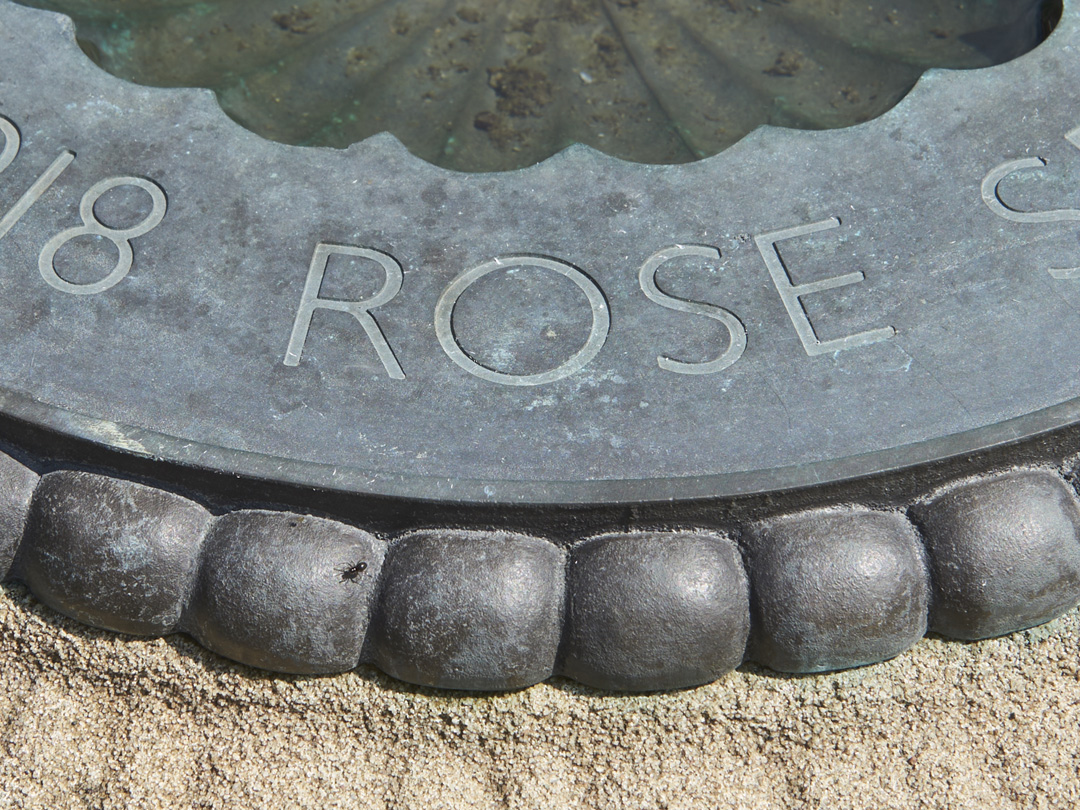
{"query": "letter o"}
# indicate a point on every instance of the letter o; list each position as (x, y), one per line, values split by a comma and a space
(601, 321)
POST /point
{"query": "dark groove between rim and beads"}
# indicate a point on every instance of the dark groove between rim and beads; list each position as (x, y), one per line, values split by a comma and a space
(640, 608)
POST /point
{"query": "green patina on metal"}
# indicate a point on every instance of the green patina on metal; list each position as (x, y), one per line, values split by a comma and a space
(486, 85)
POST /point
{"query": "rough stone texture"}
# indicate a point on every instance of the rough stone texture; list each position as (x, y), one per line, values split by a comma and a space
(655, 611)
(470, 610)
(96, 720)
(16, 490)
(1004, 554)
(112, 553)
(284, 591)
(835, 589)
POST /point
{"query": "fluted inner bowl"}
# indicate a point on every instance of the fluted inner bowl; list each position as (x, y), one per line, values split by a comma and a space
(487, 85)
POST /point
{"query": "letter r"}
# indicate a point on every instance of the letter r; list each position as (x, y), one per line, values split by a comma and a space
(360, 310)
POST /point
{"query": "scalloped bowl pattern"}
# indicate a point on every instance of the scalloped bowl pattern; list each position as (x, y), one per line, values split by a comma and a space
(492, 85)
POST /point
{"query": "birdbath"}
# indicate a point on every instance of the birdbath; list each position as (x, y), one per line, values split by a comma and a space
(490, 341)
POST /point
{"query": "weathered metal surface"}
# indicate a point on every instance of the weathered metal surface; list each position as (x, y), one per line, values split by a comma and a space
(502, 84)
(837, 314)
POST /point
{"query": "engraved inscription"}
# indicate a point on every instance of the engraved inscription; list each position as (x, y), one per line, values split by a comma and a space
(92, 226)
(361, 310)
(991, 194)
(791, 294)
(12, 143)
(735, 328)
(601, 320)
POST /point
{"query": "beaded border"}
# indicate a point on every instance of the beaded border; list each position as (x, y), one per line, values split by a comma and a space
(816, 589)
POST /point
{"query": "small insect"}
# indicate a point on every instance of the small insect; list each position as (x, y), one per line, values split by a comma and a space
(351, 573)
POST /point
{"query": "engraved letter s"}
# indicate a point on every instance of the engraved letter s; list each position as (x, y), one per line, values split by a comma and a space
(991, 194)
(736, 331)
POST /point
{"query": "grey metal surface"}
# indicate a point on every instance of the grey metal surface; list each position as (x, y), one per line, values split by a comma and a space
(287, 592)
(110, 553)
(882, 298)
(836, 588)
(805, 310)
(655, 610)
(470, 610)
(1002, 547)
(494, 610)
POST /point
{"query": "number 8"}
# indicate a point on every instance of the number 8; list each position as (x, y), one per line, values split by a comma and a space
(92, 226)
